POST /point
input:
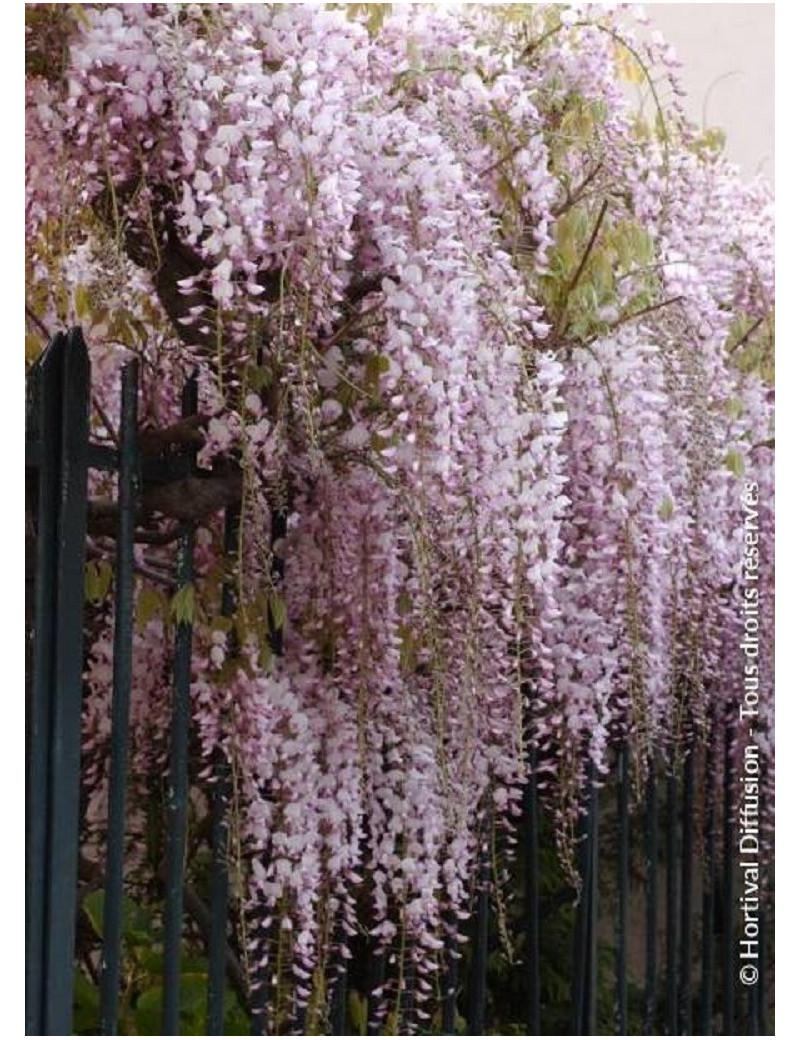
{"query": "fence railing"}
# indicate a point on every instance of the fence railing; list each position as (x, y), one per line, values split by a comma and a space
(688, 975)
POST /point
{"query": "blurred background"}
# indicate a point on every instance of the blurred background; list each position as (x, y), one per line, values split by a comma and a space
(728, 53)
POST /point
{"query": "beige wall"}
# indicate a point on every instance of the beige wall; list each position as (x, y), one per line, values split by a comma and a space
(737, 42)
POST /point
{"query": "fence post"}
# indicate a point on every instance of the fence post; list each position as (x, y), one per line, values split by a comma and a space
(687, 855)
(584, 981)
(278, 520)
(476, 1013)
(450, 975)
(579, 936)
(120, 705)
(337, 1006)
(671, 907)
(45, 413)
(220, 797)
(178, 775)
(651, 911)
(67, 690)
(531, 859)
(590, 1023)
(623, 870)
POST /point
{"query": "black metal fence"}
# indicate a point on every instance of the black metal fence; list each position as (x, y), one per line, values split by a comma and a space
(685, 959)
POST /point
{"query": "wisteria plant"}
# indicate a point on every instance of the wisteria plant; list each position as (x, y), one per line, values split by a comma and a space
(483, 326)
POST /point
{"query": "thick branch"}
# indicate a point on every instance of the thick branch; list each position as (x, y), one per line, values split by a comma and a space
(578, 273)
(651, 309)
(747, 335)
(575, 197)
(192, 499)
(37, 321)
(186, 433)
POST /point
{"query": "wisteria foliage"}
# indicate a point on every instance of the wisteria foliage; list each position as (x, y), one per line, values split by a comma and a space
(488, 322)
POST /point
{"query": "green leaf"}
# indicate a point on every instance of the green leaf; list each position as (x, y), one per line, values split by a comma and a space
(666, 510)
(151, 961)
(237, 1022)
(265, 657)
(277, 611)
(151, 603)
(194, 992)
(220, 623)
(82, 303)
(85, 991)
(85, 1005)
(380, 443)
(147, 1013)
(735, 463)
(259, 377)
(357, 1012)
(193, 995)
(33, 347)
(644, 248)
(182, 607)
(138, 928)
(97, 580)
(602, 272)
(375, 366)
(93, 908)
(375, 14)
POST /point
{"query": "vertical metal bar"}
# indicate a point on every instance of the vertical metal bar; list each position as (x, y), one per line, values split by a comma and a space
(728, 1010)
(580, 930)
(450, 977)
(687, 856)
(120, 704)
(178, 776)
(590, 1020)
(217, 940)
(259, 996)
(65, 745)
(50, 373)
(707, 990)
(623, 874)
(220, 797)
(476, 1004)
(530, 810)
(671, 907)
(584, 981)
(651, 898)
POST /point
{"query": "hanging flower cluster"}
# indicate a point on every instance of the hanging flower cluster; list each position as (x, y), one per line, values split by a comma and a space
(490, 353)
